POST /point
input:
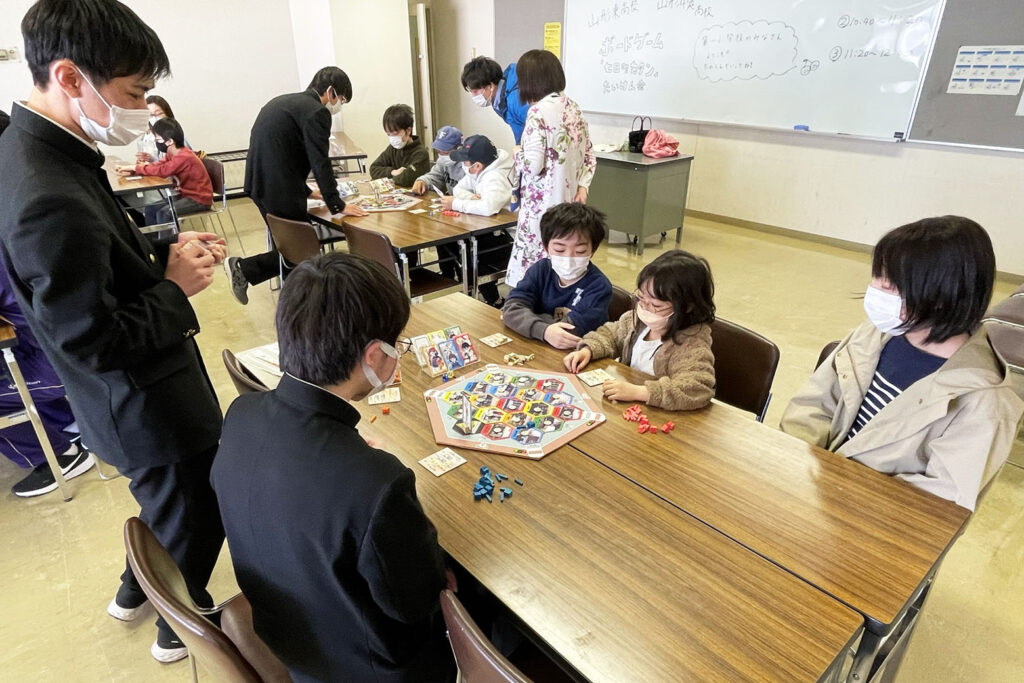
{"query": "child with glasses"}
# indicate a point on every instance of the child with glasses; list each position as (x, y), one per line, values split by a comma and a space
(666, 335)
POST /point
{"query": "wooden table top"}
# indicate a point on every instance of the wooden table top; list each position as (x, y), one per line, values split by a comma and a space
(621, 584)
(407, 231)
(476, 224)
(343, 147)
(120, 185)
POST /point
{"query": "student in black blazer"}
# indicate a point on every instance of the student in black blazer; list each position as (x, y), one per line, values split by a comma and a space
(327, 537)
(110, 309)
(290, 137)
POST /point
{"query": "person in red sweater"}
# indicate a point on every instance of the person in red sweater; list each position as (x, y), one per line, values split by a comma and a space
(195, 191)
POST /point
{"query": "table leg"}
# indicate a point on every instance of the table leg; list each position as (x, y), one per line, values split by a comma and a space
(403, 261)
(639, 245)
(37, 423)
(679, 235)
(870, 643)
(475, 256)
(174, 214)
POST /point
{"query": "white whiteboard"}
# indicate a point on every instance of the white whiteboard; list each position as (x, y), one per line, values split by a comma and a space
(851, 67)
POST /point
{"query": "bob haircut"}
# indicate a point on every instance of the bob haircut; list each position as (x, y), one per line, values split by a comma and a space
(331, 307)
(332, 76)
(102, 37)
(480, 72)
(169, 129)
(164, 105)
(562, 220)
(685, 281)
(397, 117)
(943, 268)
(540, 74)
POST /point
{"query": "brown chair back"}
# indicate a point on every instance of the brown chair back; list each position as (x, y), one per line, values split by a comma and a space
(242, 377)
(745, 364)
(163, 584)
(479, 661)
(296, 240)
(236, 622)
(215, 170)
(826, 351)
(372, 245)
(621, 302)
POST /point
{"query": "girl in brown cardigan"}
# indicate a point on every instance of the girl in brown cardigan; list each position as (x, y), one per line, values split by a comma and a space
(667, 335)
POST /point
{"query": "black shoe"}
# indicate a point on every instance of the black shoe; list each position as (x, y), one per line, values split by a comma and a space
(41, 479)
(127, 604)
(239, 285)
(168, 647)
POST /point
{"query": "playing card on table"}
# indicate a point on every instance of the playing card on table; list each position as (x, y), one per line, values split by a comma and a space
(594, 377)
(388, 395)
(445, 460)
(496, 339)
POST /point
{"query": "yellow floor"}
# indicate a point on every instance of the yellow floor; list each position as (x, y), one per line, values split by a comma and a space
(59, 562)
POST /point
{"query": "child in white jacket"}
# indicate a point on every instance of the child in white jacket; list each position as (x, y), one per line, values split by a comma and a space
(485, 190)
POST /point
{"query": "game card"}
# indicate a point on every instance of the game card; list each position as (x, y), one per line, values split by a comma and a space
(453, 331)
(496, 339)
(465, 345)
(417, 210)
(594, 377)
(435, 361)
(419, 348)
(387, 395)
(452, 357)
(437, 336)
(445, 460)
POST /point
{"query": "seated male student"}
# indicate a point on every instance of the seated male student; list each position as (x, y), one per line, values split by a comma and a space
(327, 537)
(916, 391)
(485, 189)
(445, 174)
(405, 158)
(564, 296)
(195, 191)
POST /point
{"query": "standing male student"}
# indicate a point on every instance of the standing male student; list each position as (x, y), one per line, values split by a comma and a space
(483, 78)
(110, 309)
(291, 136)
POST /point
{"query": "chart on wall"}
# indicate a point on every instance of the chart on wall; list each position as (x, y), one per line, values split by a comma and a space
(849, 67)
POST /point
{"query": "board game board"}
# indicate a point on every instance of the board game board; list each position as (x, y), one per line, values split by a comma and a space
(513, 411)
(388, 202)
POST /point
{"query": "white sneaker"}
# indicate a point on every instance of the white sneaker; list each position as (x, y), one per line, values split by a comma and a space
(167, 649)
(125, 613)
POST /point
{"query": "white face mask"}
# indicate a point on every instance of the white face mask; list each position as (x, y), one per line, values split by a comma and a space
(396, 141)
(445, 160)
(372, 377)
(480, 100)
(125, 124)
(335, 106)
(153, 119)
(569, 268)
(652, 320)
(884, 310)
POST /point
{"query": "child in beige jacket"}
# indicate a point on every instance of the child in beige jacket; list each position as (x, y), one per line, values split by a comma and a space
(667, 335)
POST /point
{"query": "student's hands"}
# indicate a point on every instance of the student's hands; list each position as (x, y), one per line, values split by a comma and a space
(215, 245)
(446, 202)
(581, 196)
(419, 187)
(577, 360)
(621, 390)
(190, 266)
(316, 194)
(397, 172)
(354, 210)
(123, 170)
(559, 336)
(143, 157)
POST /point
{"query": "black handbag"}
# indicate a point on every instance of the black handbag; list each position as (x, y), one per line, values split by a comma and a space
(638, 135)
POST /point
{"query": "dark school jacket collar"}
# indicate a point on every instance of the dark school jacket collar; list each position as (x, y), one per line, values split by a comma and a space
(42, 128)
(305, 395)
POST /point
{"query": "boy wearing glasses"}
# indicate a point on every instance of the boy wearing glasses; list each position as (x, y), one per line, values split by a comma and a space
(564, 296)
(328, 539)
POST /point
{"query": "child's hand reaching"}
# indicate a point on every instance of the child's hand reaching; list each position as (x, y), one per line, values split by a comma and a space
(620, 390)
(577, 360)
(560, 336)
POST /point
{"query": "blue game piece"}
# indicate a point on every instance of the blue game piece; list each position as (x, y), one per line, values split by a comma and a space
(488, 496)
(518, 481)
(531, 424)
(506, 491)
(484, 469)
(501, 477)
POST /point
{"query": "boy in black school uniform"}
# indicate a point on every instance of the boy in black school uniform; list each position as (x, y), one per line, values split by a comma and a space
(563, 296)
(405, 159)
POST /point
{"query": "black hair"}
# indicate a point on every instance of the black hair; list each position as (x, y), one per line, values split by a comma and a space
(480, 72)
(164, 105)
(5, 121)
(331, 308)
(943, 268)
(169, 129)
(332, 76)
(398, 117)
(102, 37)
(684, 280)
(562, 220)
(539, 74)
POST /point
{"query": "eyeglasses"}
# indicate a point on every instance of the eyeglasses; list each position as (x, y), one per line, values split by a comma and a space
(639, 298)
(403, 345)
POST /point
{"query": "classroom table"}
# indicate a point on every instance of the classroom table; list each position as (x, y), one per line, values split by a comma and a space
(476, 226)
(123, 188)
(343, 148)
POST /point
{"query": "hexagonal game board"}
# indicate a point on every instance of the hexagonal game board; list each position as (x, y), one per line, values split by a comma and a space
(511, 410)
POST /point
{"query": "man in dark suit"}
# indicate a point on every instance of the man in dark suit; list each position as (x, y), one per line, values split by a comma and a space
(290, 137)
(110, 309)
(327, 537)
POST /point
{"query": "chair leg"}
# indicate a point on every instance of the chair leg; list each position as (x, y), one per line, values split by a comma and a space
(235, 228)
(192, 665)
(99, 469)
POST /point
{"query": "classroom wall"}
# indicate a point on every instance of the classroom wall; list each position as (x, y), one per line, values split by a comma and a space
(371, 44)
(15, 81)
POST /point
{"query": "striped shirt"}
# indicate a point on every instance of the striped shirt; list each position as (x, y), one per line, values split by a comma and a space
(899, 365)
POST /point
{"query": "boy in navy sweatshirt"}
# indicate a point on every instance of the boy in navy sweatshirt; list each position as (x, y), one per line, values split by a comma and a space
(563, 296)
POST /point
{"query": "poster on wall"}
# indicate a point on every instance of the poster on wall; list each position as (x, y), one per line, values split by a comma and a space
(987, 70)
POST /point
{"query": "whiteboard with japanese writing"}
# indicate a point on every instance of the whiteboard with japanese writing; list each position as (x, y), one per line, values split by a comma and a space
(834, 66)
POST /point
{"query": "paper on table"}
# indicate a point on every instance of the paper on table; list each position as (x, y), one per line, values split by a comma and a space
(387, 395)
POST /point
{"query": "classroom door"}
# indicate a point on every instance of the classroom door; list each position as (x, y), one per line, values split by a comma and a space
(422, 70)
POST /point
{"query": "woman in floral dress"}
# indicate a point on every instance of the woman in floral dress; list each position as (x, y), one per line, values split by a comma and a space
(555, 163)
